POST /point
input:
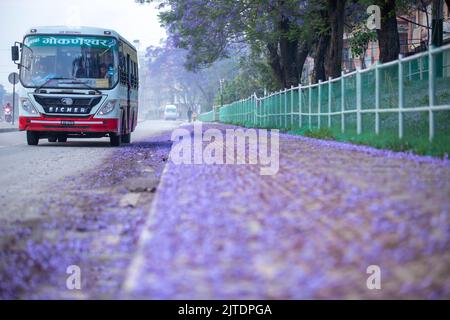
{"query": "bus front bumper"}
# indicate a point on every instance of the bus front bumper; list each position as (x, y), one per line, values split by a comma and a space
(66, 124)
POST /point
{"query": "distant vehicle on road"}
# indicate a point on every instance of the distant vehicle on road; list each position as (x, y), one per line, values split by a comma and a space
(170, 112)
(7, 111)
(78, 82)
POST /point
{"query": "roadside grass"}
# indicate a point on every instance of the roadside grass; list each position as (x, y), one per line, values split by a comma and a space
(414, 141)
(439, 147)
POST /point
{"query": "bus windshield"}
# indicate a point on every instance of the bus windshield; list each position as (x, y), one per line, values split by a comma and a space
(88, 59)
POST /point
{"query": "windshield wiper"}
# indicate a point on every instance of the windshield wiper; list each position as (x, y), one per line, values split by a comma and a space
(72, 81)
(47, 81)
(76, 81)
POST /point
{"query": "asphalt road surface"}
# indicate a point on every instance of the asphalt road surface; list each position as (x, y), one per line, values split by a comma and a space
(26, 172)
(77, 203)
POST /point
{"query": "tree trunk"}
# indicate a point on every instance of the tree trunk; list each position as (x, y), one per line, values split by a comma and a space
(333, 63)
(273, 59)
(287, 56)
(388, 38)
(437, 23)
(319, 58)
(303, 52)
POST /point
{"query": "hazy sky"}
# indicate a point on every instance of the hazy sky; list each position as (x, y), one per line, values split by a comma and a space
(131, 20)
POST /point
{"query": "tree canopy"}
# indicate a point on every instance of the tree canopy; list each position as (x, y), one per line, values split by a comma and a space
(278, 35)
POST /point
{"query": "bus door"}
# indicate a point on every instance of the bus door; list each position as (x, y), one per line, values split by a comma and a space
(128, 111)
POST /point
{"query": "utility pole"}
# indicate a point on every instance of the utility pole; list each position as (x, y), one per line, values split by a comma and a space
(13, 78)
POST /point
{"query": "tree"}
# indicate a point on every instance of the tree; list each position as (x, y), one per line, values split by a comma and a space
(336, 19)
(209, 30)
(388, 38)
(285, 32)
(254, 77)
(170, 83)
(359, 41)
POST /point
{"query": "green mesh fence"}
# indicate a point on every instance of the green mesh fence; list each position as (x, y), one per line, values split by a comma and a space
(401, 101)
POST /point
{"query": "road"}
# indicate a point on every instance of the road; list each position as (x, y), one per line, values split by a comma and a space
(80, 202)
(26, 171)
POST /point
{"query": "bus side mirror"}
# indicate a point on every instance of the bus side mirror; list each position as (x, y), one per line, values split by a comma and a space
(15, 53)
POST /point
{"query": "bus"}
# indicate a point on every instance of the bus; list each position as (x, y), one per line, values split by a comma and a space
(77, 82)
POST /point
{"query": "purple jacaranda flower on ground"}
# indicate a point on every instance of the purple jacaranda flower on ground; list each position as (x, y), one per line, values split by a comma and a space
(314, 227)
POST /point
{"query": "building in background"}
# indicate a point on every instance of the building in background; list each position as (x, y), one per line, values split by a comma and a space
(414, 33)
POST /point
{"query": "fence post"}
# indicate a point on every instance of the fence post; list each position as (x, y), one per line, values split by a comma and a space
(309, 104)
(244, 111)
(285, 108)
(248, 102)
(270, 111)
(299, 105)
(292, 106)
(262, 111)
(421, 68)
(409, 71)
(257, 107)
(247, 108)
(240, 112)
(237, 110)
(431, 91)
(264, 106)
(280, 104)
(319, 102)
(329, 102)
(377, 98)
(252, 109)
(342, 102)
(266, 111)
(358, 101)
(400, 97)
(252, 113)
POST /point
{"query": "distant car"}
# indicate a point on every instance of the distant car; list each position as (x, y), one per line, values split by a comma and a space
(170, 112)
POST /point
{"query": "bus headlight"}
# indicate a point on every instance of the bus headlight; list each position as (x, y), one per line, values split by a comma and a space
(28, 107)
(108, 107)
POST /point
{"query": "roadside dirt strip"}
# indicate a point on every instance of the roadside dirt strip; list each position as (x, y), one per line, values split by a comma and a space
(310, 231)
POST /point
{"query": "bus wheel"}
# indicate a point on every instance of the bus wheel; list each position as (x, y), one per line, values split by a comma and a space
(52, 139)
(126, 138)
(115, 139)
(62, 139)
(32, 138)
